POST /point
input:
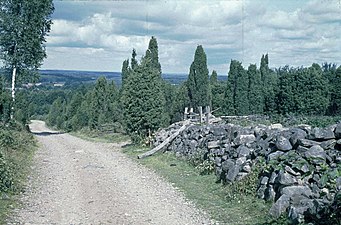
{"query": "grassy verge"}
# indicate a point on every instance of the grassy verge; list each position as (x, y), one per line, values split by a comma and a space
(16, 150)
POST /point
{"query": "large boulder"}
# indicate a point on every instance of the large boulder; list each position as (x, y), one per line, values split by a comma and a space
(321, 134)
(296, 190)
(244, 139)
(285, 179)
(329, 144)
(283, 144)
(270, 194)
(227, 165)
(243, 151)
(315, 154)
(307, 143)
(232, 173)
(337, 130)
(274, 155)
(297, 134)
(280, 206)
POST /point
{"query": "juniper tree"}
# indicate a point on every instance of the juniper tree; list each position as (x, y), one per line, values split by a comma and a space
(125, 71)
(238, 79)
(255, 94)
(214, 77)
(198, 80)
(153, 54)
(98, 104)
(286, 97)
(336, 93)
(217, 93)
(180, 103)
(143, 98)
(133, 60)
(269, 82)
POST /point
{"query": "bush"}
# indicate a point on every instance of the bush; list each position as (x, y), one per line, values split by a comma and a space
(15, 149)
(6, 173)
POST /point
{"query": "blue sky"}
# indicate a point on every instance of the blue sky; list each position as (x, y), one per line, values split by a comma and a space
(99, 35)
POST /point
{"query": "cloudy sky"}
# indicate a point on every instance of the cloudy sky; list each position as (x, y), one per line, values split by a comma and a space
(99, 35)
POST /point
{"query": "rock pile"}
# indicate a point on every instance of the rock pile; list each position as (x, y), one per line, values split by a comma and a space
(301, 165)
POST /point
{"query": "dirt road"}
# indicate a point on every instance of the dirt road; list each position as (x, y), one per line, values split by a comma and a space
(81, 182)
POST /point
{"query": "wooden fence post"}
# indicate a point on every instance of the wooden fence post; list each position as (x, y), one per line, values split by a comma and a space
(186, 113)
(208, 114)
(200, 114)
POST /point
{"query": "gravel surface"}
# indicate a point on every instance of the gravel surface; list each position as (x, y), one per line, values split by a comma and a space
(80, 182)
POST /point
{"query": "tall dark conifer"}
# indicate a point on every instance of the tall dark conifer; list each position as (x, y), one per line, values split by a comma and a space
(269, 81)
(125, 71)
(153, 53)
(198, 80)
(133, 60)
(255, 94)
(239, 82)
(143, 96)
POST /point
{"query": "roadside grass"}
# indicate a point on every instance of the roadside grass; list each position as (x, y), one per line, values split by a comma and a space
(17, 148)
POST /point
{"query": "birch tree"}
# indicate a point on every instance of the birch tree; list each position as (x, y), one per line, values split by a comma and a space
(24, 25)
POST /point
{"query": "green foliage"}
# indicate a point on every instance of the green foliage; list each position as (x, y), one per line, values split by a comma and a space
(198, 80)
(125, 71)
(5, 103)
(228, 106)
(202, 161)
(15, 142)
(24, 25)
(241, 98)
(134, 63)
(143, 97)
(214, 78)
(335, 90)
(217, 94)
(143, 100)
(269, 82)
(6, 173)
(153, 54)
(247, 186)
(238, 88)
(255, 94)
(181, 100)
(16, 148)
(98, 102)
(56, 113)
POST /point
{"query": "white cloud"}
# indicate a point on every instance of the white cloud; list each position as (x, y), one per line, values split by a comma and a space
(242, 30)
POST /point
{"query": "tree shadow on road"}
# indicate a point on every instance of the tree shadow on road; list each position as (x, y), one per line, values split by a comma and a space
(46, 133)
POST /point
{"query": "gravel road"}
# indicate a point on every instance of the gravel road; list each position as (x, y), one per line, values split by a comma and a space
(81, 182)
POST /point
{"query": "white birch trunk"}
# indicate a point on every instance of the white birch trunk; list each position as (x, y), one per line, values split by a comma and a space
(14, 73)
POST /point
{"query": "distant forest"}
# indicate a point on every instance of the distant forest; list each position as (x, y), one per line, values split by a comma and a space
(144, 101)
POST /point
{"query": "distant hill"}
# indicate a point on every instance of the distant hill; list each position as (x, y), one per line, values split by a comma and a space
(74, 76)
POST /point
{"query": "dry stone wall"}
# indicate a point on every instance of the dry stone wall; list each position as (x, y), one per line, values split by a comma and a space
(301, 165)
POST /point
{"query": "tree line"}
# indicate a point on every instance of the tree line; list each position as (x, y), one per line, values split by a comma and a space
(145, 102)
